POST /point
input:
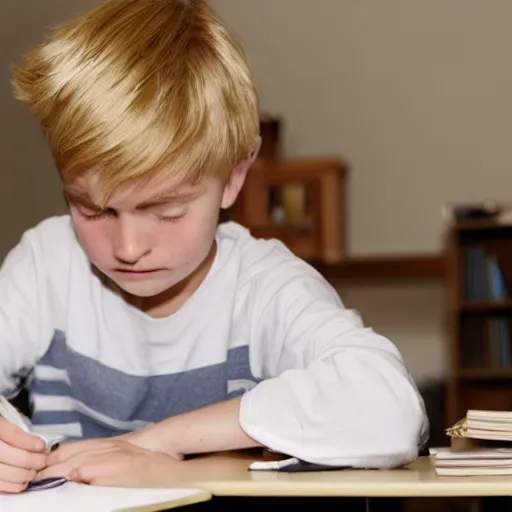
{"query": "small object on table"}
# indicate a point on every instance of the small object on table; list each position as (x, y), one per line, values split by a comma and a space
(46, 483)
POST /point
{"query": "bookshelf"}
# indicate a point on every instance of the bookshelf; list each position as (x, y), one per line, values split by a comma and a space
(385, 267)
(479, 286)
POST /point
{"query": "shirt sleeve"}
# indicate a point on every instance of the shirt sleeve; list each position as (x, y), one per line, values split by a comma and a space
(24, 318)
(332, 392)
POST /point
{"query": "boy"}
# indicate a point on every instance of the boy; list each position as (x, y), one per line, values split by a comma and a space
(142, 324)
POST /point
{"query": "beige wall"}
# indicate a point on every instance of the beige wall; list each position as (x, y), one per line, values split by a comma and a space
(414, 93)
(411, 314)
(29, 188)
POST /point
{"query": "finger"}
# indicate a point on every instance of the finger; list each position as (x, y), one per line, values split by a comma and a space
(15, 475)
(10, 488)
(65, 468)
(17, 437)
(57, 471)
(99, 472)
(98, 465)
(12, 456)
(110, 481)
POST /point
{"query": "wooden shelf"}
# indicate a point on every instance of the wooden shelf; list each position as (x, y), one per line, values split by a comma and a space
(486, 374)
(485, 306)
(421, 266)
(483, 225)
(478, 330)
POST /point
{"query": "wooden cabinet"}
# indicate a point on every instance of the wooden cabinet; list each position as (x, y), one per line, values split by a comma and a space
(299, 201)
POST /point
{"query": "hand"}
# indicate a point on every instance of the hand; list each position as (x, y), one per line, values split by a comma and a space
(22, 455)
(149, 439)
(111, 462)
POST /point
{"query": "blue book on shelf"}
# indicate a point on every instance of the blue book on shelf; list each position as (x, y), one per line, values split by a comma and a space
(505, 348)
(476, 274)
(495, 278)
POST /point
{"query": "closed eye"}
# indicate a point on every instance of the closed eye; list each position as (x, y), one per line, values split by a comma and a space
(93, 213)
(171, 218)
(93, 216)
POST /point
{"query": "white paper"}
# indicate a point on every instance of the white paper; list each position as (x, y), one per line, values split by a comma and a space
(74, 497)
(445, 453)
(273, 465)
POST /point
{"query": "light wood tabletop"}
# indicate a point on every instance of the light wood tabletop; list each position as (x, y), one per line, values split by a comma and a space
(229, 475)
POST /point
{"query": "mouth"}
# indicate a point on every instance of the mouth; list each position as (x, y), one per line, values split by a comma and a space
(126, 272)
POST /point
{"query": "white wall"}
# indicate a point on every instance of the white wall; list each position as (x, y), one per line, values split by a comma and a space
(411, 314)
(29, 187)
(416, 94)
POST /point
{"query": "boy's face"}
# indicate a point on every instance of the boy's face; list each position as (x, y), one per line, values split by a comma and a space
(150, 237)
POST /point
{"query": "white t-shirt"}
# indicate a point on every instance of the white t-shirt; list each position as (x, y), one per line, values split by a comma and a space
(316, 384)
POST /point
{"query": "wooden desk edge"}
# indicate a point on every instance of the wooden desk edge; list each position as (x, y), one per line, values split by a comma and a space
(201, 496)
(262, 489)
(239, 481)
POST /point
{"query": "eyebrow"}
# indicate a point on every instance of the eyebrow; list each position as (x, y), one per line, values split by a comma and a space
(183, 197)
(172, 197)
(82, 197)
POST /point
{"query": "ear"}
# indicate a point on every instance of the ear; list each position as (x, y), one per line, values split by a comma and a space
(237, 178)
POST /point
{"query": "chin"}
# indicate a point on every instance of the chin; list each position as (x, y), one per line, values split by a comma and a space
(145, 289)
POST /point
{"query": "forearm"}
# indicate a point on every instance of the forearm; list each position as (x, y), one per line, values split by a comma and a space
(349, 409)
(214, 428)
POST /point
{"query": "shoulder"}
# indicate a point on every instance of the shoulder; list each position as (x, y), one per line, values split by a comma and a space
(51, 234)
(51, 243)
(268, 267)
(52, 229)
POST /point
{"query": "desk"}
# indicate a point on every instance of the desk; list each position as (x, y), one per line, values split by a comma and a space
(228, 475)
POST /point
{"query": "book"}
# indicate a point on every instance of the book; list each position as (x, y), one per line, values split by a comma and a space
(481, 424)
(472, 462)
(474, 471)
(481, 444)
(484, 276)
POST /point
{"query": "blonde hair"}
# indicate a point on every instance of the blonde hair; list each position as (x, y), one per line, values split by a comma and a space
(137, 88)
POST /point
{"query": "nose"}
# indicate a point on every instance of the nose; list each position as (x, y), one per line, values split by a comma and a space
(130, 242)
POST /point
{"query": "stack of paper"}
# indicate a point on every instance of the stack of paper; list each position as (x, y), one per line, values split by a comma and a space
(491, 425)
(73, 497)
(480, 445)
(479, 461)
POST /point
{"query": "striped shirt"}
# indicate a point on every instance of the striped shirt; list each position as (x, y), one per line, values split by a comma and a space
(315, 383)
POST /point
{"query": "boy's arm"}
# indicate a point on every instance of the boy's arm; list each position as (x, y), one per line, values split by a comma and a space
(338, 393)
(215, 428)
(341, 394)
(24, 320)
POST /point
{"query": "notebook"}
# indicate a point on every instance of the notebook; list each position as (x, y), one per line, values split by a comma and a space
(480, 445)
(472, 462)
(485, 425)
(474, 471)
(84, 498)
